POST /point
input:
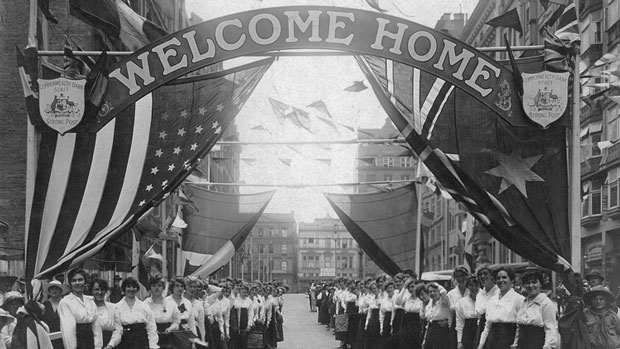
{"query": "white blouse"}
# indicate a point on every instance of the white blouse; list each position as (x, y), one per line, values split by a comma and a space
(73, 310)
(482, 298)
(199, 316)
(186, 314)
(139, 313)
(246, 303)
(465, 309)
(385, 305)
(413, 305)
(501, 310)
(455, 295)
(259, 310)
(371, 303)
(541, 312)
(165, 312)
(109, 320)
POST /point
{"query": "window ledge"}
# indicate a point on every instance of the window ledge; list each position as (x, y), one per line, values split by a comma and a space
(591, 220)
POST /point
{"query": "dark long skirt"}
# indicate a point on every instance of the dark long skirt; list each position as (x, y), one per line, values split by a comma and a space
(238, 328)
(134, 337)
(270, 336)
(360, 337)
(84, 336)
(501, 336)
(470, 334)
(410, 334)
(386, 337)
(216, 336)
(438, 336)
(324, 312)
(531, 337)
(280, 326)
(373, 337)
(397, 324)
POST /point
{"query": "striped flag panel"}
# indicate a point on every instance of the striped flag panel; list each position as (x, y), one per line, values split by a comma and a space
(92, 186)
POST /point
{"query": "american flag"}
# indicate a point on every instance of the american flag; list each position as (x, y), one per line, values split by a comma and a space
(90, 187)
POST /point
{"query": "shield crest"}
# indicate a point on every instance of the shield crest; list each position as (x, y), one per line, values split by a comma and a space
(545, 96)
(61, 103)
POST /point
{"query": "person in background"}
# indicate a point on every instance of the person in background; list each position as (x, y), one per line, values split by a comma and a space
(386, 315)
(107, 315)
(241, 316)
(220, 308)
(139, 329)
(467, 318)
(193, 288)
(372, 336)
(603, 324)
(30, 331)
(166, 315)
(78, 315)
(489, 289)
(460, 275)
(595, 278)
(500, 331)
(13, 300)
(537, 315)
(186, 312)
(115, 292)
(438, 315)
(54, 290)
(353, 314)
(6, 319)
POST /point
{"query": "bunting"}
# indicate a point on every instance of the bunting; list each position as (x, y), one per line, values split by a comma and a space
(90, 187)
(356, 87)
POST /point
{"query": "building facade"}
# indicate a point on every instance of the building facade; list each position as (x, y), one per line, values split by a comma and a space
(270, 251)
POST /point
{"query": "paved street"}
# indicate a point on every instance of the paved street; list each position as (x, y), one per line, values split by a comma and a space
(301, 329)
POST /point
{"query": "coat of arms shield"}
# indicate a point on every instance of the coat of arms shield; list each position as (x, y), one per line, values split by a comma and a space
(545, 96)
(61, 103)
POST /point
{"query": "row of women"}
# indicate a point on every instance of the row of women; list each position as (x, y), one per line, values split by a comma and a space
(481, 311)
(225, 317)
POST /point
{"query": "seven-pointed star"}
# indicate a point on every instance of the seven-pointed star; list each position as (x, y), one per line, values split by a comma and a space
(515, 170)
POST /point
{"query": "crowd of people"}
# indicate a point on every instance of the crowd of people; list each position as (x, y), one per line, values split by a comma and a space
(87, 313)
(483, 310)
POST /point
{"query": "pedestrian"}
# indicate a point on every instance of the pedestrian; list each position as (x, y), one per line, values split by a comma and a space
(270, 335)
(537, 315)
(193, 288)
(221, 312)
(501, 313)
(438, 315)
(107, 315)
(167, 317)
(385, 315)
(186, 311)
(13, 300)
(139, 329)
(488, 290)
(54, 290)
(372, 329)
(467, 318)
(352, 312)
(312, 296)
(115, 292)
(78, 315)
(603, 324)
(6, 320)
(399, 311)
(460, 275)
(241, 315)
(595, 278)
(30, 332)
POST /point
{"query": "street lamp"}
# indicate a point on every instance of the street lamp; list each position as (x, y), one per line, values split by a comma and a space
(335, 247)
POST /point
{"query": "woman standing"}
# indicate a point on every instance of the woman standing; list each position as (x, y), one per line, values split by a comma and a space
(271, 332)
(398, 313)
(54, 290)
(489, 289)
(409, 334)
(78, 314)
(386, 306)
(166, 315)
(107, 316)
(467, 318)
(603, 323)
(352, 311)
(241, 316)
(538, 326)
(438, 315)
(221, 311)
(184, 306)
(193, 293)
(139, 329)
(372, 325)
(501, 313)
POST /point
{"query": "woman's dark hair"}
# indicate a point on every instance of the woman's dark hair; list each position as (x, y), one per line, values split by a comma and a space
(419, 289)
(155, 281)
(509, 271)
(177, 281)
(473, 281)
(74, 272)
(388, 283)
(129, 282)
(103, 284)
(532, 275)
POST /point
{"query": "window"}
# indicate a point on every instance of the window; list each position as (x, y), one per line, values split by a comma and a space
(328, 261)
(310, 242)
(284, 265)
(388, 177)
(338, 262)
(284, 232)
(350, 262)
(405, 161)
(344, 244)
(311, 262)
(271, 232)
(271, 247)
(405, 177)
(261, 232)
(261, 248)
(284, 248)
(371, 177)
(612, 179)
(305, 262)
(388, 161)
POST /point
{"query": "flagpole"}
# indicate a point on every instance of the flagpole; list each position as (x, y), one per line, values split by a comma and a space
(418, 238)
(575, 172)
(164, 252)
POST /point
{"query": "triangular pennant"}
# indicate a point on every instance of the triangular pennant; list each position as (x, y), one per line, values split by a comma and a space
(356, 87)
(509, 19)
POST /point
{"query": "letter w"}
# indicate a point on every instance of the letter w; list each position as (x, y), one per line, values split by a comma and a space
(132, 70)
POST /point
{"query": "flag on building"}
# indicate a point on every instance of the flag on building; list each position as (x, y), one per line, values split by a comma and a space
(90, 187)
(320, 106)
(221, 225)
(497, 176)
(568, 24)
(509, 19)
(383, 224)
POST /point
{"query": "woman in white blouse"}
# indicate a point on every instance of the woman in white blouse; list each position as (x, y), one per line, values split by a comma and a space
(107, 316)
(500, 331)
(372, 326)
(467, 318)
(386, 310)
(241, 319)
(186, 311)
(536, 317)
(221, 311)
(439, 317)
(78, 314)
(193, 293)
(410, 334)
(166, 315)
(139, 329)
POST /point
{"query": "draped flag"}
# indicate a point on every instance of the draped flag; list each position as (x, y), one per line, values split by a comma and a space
(509, 19)
(118, 20)
(90, 187)
(383, 224)
(568, 24)
(220, 226)
(513, 180)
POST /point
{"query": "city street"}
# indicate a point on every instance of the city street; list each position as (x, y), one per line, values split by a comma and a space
(301, 329)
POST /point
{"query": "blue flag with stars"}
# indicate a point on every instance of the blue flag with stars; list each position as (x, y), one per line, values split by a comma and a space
(90, 187)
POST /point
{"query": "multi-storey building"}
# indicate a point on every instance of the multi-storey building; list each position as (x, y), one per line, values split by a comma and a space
(270, 251)
(326, 250)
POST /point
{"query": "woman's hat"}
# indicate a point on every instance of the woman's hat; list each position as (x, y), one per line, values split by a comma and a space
(5, 314)
(12, 296)
(598, 291)
(595, 273)
(55, 283)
